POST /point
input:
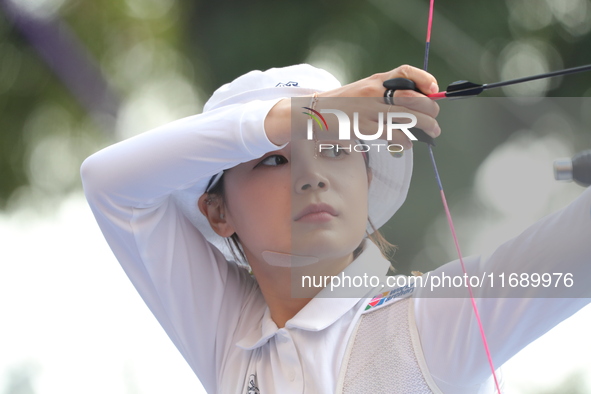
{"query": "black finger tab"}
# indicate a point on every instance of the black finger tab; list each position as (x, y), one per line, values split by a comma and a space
(400, 84)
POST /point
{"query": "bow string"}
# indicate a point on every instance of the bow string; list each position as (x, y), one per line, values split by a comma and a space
(449, 218)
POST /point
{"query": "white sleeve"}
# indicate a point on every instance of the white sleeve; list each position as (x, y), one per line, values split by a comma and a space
(512, 317)
(202, 301)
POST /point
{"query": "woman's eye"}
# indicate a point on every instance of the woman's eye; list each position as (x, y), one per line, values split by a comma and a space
(273, 160)
(331, 150)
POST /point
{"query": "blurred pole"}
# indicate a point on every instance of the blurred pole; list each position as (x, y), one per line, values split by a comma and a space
(61, 50)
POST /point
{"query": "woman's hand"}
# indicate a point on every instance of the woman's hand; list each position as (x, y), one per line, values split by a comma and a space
(278, 121)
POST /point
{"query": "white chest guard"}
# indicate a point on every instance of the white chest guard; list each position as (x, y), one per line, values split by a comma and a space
(384, 353)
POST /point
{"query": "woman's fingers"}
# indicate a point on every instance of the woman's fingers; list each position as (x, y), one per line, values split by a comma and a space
(372, 86)
(424, 81)
(368, 125)
(424, 122)
(367, 102)
(416, 102)
(364, 97)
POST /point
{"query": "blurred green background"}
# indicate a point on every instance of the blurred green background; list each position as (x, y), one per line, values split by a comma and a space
(79, 75)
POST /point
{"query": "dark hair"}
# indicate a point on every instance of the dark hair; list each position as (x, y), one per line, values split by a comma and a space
(233, 241)
(237, 251)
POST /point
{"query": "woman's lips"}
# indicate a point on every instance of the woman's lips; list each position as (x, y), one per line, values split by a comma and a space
(316, 213)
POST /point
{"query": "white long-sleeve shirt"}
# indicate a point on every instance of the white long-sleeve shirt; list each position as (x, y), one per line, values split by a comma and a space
(214, 311)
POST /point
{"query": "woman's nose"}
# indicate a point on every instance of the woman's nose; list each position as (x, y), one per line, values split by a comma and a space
(310, 184)
(307, 170)
(308, 177)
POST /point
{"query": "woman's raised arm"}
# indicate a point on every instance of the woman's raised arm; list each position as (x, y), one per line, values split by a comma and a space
(202, 301)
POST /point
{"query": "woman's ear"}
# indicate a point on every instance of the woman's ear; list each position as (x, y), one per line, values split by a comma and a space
(213, 208)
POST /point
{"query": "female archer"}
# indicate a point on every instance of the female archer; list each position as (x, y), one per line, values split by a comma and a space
(186, 206)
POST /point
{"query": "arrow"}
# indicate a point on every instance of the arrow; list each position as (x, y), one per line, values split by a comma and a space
(466, 88)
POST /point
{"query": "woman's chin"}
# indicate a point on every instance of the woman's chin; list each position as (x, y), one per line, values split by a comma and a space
(324, 247)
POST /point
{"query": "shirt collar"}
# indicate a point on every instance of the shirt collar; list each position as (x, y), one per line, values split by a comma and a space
(328, 306)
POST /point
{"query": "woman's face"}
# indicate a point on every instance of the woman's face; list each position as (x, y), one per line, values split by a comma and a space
(299, 201)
